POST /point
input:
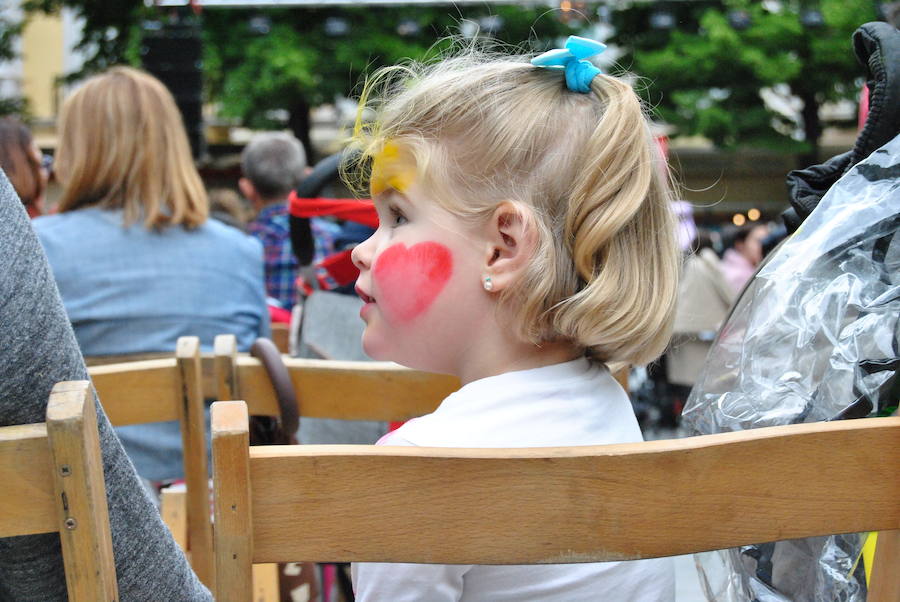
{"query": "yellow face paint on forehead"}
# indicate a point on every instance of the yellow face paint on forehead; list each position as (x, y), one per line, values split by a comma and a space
(391, 168)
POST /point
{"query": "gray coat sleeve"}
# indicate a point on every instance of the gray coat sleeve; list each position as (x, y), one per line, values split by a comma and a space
(38, 349)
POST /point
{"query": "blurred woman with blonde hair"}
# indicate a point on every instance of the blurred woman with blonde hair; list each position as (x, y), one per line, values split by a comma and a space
(137, 262)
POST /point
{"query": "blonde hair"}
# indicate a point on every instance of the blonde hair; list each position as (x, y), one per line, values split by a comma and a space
(123, 146)
(585, 168)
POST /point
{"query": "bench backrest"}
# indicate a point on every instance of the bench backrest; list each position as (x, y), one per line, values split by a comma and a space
(139, 391)
(52, 475)
(344, 390)
(156, 390)
(544, 505)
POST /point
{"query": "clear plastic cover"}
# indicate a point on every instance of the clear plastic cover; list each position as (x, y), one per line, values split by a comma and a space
(814, 337)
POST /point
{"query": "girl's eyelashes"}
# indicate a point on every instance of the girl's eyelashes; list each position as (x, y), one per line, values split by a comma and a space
(390, 209)
(397, 216)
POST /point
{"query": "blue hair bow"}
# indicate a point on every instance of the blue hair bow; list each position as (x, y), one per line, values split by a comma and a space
(579, 72)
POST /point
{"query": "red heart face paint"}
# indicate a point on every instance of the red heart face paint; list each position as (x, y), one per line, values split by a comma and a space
(410, 279)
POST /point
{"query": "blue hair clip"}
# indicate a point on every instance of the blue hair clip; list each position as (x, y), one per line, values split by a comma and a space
(579, 72)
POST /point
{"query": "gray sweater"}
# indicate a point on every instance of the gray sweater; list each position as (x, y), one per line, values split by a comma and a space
(38, 349)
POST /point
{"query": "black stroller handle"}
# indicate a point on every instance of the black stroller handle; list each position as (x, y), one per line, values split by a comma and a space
(302, 241)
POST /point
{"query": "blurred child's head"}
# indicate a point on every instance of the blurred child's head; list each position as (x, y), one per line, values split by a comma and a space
(579, 170)
(226, 205)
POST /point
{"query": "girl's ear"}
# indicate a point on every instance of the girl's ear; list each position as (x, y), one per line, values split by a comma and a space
(511, 243)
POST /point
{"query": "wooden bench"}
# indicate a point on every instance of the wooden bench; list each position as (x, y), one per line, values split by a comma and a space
(348, 390)
(548, 505)
(157, 390)
(52, 475)
(138, 390)
(343, 390)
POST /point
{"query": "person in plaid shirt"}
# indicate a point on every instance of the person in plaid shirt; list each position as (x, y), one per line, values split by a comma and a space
(273, 163)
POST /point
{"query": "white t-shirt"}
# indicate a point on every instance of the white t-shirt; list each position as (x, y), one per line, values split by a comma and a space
(574, 403)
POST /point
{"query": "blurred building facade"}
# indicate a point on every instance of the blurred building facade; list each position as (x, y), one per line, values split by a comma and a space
(46, 52)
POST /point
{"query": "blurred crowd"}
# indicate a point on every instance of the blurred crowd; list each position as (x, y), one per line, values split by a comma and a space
(718, 262)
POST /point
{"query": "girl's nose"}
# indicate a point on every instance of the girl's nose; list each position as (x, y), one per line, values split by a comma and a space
(362, 254)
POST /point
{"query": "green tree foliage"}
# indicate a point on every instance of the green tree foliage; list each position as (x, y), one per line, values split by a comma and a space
(112, 30)
(292, 62)
(302, 61)
(705, 75)
(9, 31)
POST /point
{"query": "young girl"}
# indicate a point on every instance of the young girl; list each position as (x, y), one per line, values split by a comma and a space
(525, 242)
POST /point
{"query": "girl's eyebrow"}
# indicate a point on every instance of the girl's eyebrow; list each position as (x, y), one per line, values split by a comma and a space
(382, 195)
(391, 195)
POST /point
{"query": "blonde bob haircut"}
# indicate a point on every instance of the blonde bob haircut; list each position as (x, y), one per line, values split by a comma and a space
(123, 146)
(584, 168)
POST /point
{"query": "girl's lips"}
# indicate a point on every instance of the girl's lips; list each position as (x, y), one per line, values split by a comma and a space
(368, 303)
(364, 296)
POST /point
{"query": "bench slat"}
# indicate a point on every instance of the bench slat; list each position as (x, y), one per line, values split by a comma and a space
(574, 504)
(25, 471)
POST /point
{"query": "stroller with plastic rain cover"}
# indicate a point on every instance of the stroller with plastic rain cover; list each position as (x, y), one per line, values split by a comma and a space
(815, 336)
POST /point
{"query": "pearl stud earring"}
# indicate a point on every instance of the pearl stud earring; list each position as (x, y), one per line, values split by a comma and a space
(488, 284)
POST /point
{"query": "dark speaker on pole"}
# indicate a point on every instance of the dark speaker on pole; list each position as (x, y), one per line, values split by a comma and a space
(172, 51)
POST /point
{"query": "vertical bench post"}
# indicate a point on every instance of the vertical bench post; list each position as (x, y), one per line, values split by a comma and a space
(190, 408)
(81, 493)
(225, 349)
(234, 530)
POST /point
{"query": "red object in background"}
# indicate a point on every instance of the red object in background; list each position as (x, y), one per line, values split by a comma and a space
(361, 211)
(279, 315)
(333, 272)
(337, 269)
(340, 267)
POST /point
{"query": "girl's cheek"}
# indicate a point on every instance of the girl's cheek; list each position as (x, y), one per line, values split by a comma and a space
(410, 279)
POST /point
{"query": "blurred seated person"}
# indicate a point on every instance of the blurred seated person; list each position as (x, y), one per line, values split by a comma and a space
(704, 300)
(136, 260)
(228, 207)
(273, 163)
(22, 161)
(743, 255)
(38, 351)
